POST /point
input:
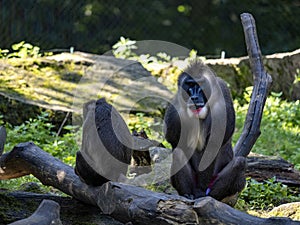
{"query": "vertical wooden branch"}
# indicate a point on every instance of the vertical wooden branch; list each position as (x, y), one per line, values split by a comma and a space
(262, 81)
(2, 139)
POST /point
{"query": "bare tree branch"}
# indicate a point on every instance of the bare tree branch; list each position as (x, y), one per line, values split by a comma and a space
(262, 81)
(2, 139)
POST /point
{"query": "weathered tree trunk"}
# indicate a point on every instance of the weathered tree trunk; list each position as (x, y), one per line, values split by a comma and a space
(123, 202)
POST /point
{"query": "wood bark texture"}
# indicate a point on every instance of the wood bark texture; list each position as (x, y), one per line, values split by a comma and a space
(123, 202)
(262, 81)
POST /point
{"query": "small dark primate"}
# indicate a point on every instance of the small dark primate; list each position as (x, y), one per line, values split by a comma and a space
(106, 145)
(199, 124)
(141, 158)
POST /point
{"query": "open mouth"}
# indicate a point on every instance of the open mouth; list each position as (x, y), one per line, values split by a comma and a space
(196, 109)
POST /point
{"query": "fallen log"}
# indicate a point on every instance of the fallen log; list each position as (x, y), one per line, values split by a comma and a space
(17, 205)
(46, 214)
(262, 168)
(123, 202)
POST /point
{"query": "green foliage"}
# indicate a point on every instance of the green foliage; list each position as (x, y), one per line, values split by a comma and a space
(21, 50)
(16, 184)
(152, 127)
(40, 131)
(37, 130)
(140, 123)
(263, 196)
(280, 128)
(123, 48)
(24, 50)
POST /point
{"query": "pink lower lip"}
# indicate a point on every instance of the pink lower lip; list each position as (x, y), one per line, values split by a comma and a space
(196, 111)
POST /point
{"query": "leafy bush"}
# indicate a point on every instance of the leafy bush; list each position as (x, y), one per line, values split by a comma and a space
(40, 131)
(264, 196)
(280, 128)
(151, 126)
(124, 48)
(22, 50)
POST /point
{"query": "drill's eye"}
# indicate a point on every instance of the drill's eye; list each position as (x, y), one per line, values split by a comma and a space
(190, 82)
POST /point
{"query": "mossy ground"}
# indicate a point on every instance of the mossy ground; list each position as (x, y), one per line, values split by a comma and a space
(40, 79)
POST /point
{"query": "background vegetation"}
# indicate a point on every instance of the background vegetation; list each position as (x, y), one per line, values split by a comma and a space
(208, 26)
(280, 136)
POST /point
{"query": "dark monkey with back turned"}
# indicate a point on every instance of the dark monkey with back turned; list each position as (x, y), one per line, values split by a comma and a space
(199, 124)
(106, 145)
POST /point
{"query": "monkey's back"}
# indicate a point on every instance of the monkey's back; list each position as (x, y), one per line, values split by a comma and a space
(113, 131)
(106, 141)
